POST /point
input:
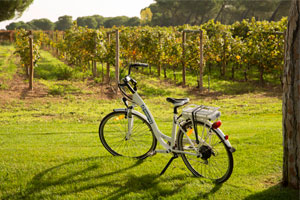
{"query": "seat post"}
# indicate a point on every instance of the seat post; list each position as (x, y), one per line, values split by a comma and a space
(175, 110)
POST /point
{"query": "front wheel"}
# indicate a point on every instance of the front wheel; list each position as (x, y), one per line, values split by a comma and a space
(124, 136)
(216, 161)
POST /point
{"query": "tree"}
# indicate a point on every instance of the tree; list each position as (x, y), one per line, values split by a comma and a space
(64, 22)
(196, 12)
(42, 24)
(133, 21)
(89, 21)
(116, 21)
(291, 100)
(14, 25)
(100, 20)
(179, 12)
(146, 16)
(18, 25)
(10, 9)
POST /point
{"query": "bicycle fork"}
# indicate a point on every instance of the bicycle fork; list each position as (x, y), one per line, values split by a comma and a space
(130, 124)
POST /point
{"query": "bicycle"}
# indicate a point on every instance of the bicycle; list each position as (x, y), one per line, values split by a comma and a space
(203, 147)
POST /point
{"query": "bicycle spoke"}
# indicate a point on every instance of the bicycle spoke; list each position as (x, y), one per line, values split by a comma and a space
(114, 134)
(214, 163)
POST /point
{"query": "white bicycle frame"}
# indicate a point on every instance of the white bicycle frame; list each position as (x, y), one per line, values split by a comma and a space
(137, 100)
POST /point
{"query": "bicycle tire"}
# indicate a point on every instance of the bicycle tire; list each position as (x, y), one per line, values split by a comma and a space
(112, 132)
(217, 160)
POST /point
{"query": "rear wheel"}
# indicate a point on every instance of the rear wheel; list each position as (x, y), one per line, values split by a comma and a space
(216, 162)
(114, 135)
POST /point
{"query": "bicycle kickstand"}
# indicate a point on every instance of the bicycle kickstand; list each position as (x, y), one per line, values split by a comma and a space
(168, 164)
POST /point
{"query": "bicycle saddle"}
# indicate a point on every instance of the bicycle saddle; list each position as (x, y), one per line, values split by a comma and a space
(178, 102)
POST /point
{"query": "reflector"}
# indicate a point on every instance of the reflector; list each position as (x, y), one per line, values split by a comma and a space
(216, 124)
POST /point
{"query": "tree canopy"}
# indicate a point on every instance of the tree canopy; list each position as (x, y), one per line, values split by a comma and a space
(13, 8)
(89, 21)
(179, 12)
(172, 13)
(64, 22)
(41, 24)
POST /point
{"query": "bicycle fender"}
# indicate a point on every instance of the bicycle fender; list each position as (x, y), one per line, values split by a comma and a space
(226, 142)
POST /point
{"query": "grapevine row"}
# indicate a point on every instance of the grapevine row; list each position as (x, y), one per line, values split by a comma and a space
(248, 49)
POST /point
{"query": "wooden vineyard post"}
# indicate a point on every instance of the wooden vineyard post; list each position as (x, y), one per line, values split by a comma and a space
(31, 61)
(159, 64)
(183, 57)
(56, 40)
(107, 64)
(223, 70)
(11, 36)
(117, 57)
(95, 53)
(52, 38)
(201, 62)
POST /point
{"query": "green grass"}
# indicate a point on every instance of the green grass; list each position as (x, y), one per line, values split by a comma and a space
(7, 65)
(213, 82)
(50, 148)
(50, 68)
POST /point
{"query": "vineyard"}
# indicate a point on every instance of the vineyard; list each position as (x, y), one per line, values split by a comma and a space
(50, 146)
(245, 51)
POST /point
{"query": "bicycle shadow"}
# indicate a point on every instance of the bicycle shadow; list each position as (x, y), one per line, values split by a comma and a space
(52, 178)
(82, 175)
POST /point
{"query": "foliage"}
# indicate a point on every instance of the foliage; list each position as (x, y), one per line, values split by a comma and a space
(36, 24)
(41, 24)
(18, 25)
(116, 21)
(10, 9)
(178, 12)
(63, 23)
(89, 46)
(23, 49)
(90, 22)
(247, 50)
(133, 21)
(146, 16)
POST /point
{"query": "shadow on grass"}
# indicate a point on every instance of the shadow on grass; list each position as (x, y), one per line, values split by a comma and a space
(100, 177)
(52, 178)
(238, 88)
(276, 192)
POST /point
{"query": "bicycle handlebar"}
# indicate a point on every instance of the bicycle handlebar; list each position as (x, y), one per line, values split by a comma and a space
(127, 80)
(136, 65)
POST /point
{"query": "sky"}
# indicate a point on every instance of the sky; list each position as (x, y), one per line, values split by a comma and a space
(52, 9)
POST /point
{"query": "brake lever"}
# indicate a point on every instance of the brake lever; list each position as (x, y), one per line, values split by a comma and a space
(134, 84)
(133, 81)
(125, 102)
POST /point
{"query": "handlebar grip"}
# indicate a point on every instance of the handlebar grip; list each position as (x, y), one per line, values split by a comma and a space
(136, 65)
(139, 65)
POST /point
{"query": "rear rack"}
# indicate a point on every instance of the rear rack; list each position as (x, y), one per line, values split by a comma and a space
(201, 112)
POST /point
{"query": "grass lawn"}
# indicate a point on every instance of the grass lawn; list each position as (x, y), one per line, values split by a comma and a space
(50, 148)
